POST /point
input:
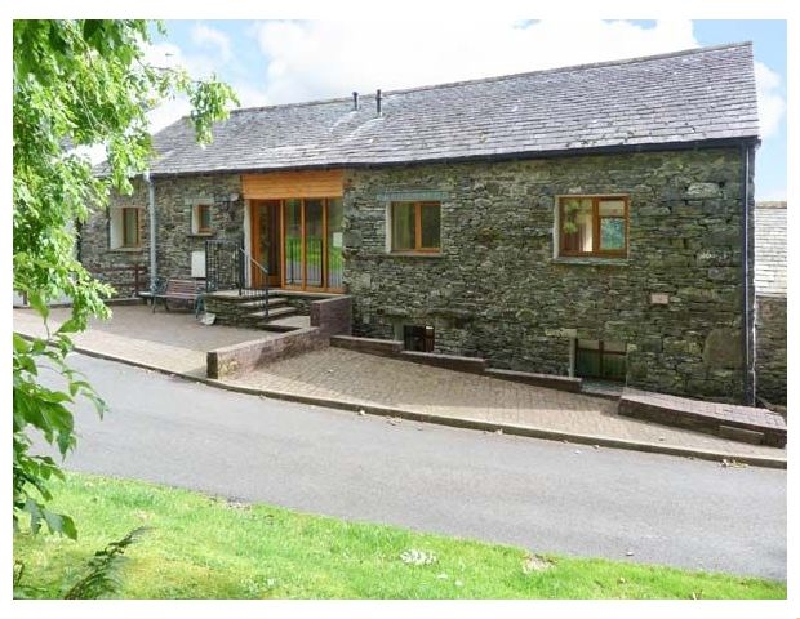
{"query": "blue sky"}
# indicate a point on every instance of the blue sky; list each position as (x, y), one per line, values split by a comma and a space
(270, 62)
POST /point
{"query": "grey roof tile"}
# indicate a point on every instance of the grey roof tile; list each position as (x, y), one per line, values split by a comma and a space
(685, 96)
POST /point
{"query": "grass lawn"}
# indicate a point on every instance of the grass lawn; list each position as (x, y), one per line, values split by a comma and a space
(205, 547)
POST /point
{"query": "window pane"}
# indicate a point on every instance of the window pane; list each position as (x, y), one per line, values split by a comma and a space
(402, 226)
(431, 226)
(589, 344)
(314, 236)
(130, 226)
(293, 250)
(612, 208)
(205, 217)
(612, 233)
(418, 338)
(577, 225)
(587, 363)
(614, 367)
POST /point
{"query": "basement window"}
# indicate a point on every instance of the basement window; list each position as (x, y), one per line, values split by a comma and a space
(599, 359)
(419, 339)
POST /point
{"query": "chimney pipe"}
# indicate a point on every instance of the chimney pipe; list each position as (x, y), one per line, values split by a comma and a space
(355, 101)
(379, 101)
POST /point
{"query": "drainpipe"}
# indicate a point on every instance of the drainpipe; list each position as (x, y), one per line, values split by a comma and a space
(151, 204)
(749, 380)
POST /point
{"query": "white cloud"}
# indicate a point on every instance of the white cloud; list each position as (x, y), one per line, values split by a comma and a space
(310, 60)
(771, 104)
(203, 35)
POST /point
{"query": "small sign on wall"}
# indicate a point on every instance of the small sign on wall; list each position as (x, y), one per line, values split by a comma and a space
(659, 298)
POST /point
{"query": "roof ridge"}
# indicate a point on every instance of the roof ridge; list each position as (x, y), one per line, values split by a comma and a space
(588, 65)
(495, 78)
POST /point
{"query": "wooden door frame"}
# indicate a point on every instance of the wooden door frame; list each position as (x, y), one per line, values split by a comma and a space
(255, 237)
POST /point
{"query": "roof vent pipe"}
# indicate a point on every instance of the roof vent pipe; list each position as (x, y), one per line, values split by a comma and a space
(379, 101)
(355, 101)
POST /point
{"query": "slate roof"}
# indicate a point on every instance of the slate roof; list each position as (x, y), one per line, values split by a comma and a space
(771, 248)
(699, 94)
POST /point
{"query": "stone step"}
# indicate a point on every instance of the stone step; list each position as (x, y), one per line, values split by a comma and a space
(233, 296)
(277, 312)
(275, 302)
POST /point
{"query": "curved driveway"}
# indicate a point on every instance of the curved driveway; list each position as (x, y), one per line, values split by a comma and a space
(543, 495)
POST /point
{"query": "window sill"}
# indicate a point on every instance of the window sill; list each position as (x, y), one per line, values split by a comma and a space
(414, 254)
(200, 235)
(127, 249)
(578, 260)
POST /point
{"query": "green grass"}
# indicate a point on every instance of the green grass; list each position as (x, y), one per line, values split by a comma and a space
(204, 547)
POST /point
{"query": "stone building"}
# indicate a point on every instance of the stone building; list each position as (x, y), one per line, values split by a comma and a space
(595, 221)
(771, 301)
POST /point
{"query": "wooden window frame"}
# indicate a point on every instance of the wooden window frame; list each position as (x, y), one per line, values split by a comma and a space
(596, 251)
(199, 213)
(601, 352)
(417, 249)
(138, 230)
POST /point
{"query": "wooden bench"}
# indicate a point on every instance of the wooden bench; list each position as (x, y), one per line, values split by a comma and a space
(182, 290)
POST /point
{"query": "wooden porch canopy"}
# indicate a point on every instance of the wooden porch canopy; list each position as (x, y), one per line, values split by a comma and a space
(285, 185)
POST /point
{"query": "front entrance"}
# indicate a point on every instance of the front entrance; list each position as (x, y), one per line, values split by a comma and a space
(265, 218)
(298, 241)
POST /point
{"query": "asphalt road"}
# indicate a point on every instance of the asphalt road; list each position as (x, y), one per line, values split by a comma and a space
(543, 495)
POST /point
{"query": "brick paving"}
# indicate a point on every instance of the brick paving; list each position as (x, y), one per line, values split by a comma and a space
(358, 378)
(723, 412)
(177, 342)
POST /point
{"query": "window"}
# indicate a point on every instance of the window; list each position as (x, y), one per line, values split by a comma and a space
(593, 226)
(201, 219)
(124, 228)
(416, 227)
(599, 359)
(419, 339)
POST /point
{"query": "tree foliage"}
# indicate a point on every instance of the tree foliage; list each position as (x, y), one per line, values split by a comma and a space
(76, 83)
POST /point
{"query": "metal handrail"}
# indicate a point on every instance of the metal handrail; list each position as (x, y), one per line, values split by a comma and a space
(226, 263)
(264, 277)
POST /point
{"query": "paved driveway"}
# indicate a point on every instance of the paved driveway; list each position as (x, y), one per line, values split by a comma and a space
(174, 340)
(338, 374)
(177, 342)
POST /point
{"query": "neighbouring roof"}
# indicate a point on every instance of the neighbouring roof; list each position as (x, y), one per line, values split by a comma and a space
(684, 97)
(771, 248)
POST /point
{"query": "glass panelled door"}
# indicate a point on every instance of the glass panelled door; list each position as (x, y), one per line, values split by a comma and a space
(314, 243)
(266, 218)
(293, 242)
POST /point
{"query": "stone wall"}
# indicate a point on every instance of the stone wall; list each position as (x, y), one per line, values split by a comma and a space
(114, 266)
(497, 292)
(175, 198)
(771, 348)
